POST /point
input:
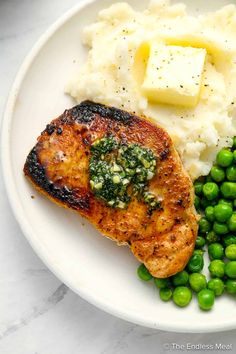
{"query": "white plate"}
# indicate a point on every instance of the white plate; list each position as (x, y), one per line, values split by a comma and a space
(91, 265)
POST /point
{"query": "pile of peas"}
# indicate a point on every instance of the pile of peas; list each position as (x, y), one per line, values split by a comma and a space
(215, 201)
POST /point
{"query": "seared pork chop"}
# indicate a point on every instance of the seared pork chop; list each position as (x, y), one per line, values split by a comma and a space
(163, 236)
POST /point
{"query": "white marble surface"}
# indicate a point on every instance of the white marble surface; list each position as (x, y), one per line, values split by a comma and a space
(38, 314)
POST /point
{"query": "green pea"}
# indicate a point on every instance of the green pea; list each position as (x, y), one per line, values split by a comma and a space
(180, 278)
(216, 251)
(234, 155)
(217, 173)
(199, 252)
(204, 225)
(197, 281)
(182, 296)
(226, 201)
(195, 263)
(228, 190)
(162, 283)
(206, 299)
(143, 273)
(219, 228)
(222, 212)
(165, 294)
(198, 185)
(197, 202)
(234, 203)
(230, 252)
(230, 269)
(232, 223)
(230, 286)
(200, 242)
(217, 286)
(229, 240)
(212, 237)
(231, 173)
(210, 190)
(209, 213)
(224, 158)
(217, 268)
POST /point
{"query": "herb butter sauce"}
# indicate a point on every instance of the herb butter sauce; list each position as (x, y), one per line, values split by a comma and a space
(121, 171)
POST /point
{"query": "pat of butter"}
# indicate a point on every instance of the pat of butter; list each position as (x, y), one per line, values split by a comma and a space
(174, 74)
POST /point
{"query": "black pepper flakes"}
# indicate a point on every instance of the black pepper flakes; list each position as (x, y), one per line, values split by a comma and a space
(59, 131)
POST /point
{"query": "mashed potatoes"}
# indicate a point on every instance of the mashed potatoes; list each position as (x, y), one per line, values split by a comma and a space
(113, 73)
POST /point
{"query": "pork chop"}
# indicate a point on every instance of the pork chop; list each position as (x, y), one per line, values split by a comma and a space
(162, 237)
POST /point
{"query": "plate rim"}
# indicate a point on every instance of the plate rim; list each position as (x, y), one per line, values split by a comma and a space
(21, 218)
